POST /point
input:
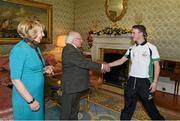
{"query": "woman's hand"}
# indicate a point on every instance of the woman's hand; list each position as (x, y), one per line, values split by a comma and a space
(34, 106)
(49, 70)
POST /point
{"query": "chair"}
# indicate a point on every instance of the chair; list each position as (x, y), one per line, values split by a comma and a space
(176, 77)
(96, 79)
(5, 103)
(167, 68)
(52, 86)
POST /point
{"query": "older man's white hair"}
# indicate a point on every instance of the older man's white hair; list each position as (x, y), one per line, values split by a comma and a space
(70, 37)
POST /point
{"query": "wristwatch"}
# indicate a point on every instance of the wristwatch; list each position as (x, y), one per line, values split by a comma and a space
(31, 101)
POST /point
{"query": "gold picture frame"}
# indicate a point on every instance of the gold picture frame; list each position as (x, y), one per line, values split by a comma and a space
(113, 14)
(13, 11)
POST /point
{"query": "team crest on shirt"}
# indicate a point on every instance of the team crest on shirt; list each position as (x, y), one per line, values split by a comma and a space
(144, 54)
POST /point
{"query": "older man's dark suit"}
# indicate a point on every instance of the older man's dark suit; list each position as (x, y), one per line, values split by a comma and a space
(75, 79)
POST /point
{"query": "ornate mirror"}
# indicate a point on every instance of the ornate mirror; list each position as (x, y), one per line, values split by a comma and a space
(115, 9)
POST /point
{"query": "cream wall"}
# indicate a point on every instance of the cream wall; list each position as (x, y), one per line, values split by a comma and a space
(63, 22)
(161, 17)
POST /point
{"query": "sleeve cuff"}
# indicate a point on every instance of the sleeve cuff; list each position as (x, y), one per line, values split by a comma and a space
(102, 66)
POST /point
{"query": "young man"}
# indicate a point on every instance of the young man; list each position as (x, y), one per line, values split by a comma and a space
(143, 75)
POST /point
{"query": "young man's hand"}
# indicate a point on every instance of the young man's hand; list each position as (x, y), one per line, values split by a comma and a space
(153, 87)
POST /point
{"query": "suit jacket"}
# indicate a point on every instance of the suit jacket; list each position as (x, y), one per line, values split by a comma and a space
(75, 70)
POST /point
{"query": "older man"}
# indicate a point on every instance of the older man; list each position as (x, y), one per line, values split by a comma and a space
(75, 76)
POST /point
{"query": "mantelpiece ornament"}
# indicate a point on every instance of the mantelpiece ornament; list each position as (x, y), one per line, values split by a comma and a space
(112, 31)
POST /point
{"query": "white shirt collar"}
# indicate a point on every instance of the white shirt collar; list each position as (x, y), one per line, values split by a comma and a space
(74, 45)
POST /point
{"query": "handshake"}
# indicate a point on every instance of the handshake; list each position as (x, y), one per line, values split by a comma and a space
(105, 68)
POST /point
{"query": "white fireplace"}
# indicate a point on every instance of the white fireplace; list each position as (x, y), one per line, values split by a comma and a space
(107, 42)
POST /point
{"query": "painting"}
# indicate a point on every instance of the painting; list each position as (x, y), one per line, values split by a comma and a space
(14, 11)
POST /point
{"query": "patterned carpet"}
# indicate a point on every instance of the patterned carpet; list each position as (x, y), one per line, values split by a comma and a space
(96, 112)
(116, 103)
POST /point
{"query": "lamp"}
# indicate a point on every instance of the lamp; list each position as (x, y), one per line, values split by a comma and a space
(61, 41)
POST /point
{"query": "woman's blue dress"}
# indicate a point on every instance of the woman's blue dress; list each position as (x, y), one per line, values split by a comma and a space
(25, 65)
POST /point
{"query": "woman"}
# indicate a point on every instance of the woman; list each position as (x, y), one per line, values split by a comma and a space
(27, 67)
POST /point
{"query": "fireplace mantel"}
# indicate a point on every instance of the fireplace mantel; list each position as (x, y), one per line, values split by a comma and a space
(107, 42)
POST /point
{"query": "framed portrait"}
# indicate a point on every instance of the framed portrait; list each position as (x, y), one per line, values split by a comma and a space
(14, 11)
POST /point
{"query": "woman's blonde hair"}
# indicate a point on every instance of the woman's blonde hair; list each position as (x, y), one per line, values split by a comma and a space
(29, 28)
